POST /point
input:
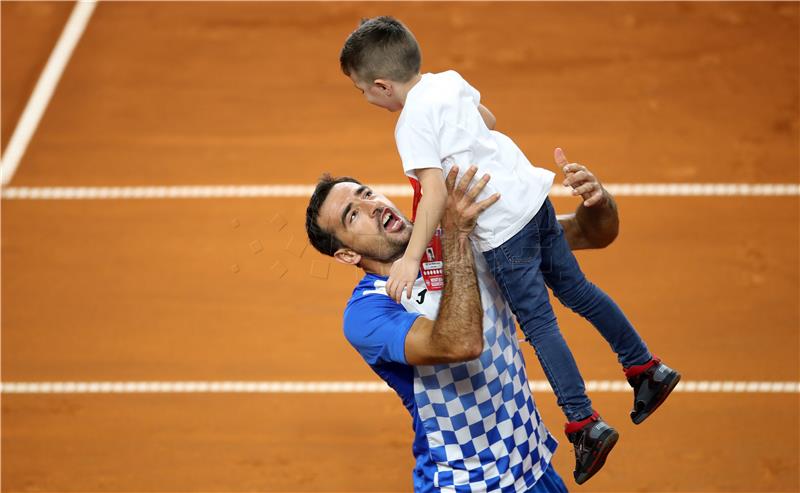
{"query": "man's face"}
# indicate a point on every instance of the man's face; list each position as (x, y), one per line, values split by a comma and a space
(367, 223)
(376, 94)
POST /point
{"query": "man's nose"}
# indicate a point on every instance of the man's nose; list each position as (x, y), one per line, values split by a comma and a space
(372, 206)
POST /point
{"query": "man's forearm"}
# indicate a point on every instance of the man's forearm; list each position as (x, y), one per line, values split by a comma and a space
(458, 328)
(592, 227)
(599, 223)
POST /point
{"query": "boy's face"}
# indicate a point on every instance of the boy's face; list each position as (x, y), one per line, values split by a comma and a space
(380, 93)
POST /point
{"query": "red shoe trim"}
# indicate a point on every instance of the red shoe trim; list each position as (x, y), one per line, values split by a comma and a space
(632, 371)
(574, 426)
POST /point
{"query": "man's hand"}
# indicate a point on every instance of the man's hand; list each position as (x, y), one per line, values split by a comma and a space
(461, 211)
(457, 332)
(595, 224)
(582, 181)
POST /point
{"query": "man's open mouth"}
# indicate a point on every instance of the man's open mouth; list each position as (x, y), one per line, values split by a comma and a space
(390, 221)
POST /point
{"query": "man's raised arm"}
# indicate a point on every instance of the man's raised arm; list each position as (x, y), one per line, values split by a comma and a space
(595, 223)
(457, 333)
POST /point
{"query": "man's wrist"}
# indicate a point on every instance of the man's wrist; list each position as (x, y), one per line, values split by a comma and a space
(601, 207)
(456, 245)
(603, 196)
(606, 200)
(597, 226)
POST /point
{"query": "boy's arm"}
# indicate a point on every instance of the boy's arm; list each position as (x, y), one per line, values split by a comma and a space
(429, 211)
(457, 333)
(488, 117)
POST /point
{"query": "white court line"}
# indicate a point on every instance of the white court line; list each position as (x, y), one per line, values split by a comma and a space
(392, 190)
(364, 387)
(45, 86)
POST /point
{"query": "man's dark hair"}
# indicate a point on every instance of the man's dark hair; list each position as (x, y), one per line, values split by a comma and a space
(381, 48)
(325, 242)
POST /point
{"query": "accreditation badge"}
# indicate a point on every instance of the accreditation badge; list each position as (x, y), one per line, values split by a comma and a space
(432, 266)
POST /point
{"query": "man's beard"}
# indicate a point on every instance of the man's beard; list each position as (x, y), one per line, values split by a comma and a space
(387, 251)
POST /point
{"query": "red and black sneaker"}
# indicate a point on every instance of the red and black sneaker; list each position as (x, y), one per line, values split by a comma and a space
(593, 439)
(652, 382)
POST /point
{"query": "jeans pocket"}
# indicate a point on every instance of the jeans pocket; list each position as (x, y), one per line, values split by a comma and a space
(523, 247)
(521, 256)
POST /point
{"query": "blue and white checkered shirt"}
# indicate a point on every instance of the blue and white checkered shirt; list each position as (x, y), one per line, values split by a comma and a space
(477, 427)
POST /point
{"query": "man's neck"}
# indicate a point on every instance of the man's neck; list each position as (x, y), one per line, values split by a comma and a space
(375, 267)
(403, 88)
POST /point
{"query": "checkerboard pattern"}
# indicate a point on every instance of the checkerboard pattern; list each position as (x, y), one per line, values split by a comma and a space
(484, 432)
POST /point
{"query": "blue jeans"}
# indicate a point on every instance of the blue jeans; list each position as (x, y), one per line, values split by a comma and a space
(539, 255)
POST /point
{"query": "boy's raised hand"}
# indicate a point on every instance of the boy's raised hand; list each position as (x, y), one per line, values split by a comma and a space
(582, 181)
(401, 278)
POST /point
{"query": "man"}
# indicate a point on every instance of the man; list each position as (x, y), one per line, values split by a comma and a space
(451, 355)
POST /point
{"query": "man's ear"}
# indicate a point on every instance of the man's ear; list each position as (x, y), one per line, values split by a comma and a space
(384, 85)
(347, 256)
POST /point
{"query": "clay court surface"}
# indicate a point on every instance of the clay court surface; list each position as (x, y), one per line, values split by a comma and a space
(226, 289)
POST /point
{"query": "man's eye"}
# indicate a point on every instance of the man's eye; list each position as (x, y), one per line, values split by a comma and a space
(352, 216)
(369, 193)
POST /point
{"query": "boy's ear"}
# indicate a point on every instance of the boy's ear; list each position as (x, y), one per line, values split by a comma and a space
(384, 85)
(347, 256)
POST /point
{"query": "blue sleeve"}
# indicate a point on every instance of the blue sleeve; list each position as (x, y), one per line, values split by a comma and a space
(377, 326)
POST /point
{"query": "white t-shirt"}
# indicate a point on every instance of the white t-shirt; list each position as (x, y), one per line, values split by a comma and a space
(440, 126)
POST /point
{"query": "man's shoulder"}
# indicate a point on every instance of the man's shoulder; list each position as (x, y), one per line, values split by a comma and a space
(370, 284)
(374, 324)
(368, 301)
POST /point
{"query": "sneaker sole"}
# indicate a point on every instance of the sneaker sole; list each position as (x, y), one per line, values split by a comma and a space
(637, 418)
(604, 447)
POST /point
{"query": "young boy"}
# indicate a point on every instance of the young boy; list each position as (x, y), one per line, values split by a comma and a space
(442, 123)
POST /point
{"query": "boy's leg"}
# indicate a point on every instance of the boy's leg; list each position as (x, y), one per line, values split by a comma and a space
(516, 266)
(516, 269)
(652, 381)
(564, 276)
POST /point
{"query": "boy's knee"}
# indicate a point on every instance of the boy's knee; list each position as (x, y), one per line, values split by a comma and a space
(539, 330)
(573, 293)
